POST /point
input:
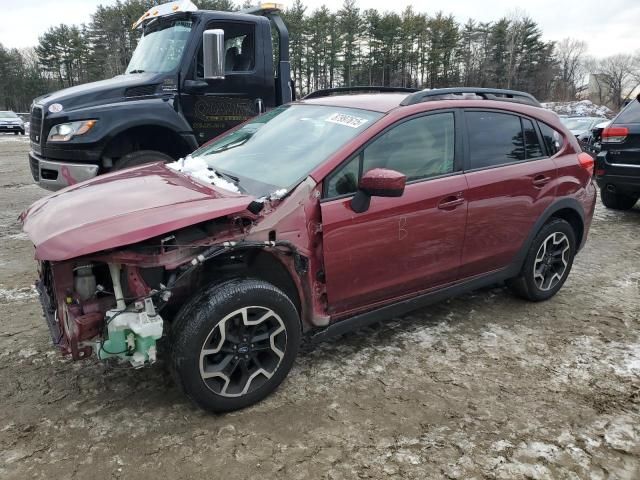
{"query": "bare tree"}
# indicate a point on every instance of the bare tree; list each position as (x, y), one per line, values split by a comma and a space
(617, 72)
(570, 55)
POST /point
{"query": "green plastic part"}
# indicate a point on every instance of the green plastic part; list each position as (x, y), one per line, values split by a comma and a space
(117, 346)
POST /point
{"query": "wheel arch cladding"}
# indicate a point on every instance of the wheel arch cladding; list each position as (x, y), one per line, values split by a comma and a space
(146, 137)
(259, 265)
(574, 219)
(568, 209)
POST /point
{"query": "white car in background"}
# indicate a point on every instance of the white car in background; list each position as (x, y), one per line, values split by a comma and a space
(10, 122)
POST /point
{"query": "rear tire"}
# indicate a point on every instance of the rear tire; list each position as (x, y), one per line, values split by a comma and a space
(16, 133)
(234, 343)
(617, 201)
(141, 157)
(548, 262)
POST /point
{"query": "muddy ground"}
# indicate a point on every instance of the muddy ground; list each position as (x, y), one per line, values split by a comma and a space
(483, 386)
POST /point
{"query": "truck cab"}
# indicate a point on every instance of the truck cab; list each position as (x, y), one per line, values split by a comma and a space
(193, 75)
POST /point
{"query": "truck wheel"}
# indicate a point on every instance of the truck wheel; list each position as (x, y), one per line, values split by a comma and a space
(548, 262)
(141, 157)
(617, 201)
(233, 343)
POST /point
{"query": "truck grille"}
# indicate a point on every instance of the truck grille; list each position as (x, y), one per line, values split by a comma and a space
(35, 168)
(36, 125)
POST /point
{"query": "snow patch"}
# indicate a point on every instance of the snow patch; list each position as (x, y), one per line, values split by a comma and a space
(11, 138)
(27, 352)
(631, 363)
(17, 294)
(278, 194)
(583, 108)
(199, 169)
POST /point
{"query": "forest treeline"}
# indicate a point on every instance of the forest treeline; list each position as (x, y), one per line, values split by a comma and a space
(352, 46)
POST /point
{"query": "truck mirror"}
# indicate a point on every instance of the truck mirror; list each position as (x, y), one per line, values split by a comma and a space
(213, 54)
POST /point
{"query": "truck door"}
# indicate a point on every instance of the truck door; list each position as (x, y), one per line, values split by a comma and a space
(214, 106)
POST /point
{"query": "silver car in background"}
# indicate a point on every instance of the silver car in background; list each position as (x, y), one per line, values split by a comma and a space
(10, 122)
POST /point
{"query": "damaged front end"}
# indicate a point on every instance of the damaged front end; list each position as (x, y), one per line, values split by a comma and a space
(119, 301)
(86, 310)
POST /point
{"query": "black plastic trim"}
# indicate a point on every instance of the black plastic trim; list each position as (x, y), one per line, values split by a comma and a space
(325, 92)
(496, 94)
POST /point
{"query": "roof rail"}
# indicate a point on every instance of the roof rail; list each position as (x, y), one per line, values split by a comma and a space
(361, 89)
(464, 93)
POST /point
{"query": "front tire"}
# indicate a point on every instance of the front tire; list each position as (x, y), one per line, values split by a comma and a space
(234, 343)
(548, 262)
(141, 157)
(617, 201)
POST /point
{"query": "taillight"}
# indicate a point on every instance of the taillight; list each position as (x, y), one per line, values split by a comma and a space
(587, 162)
(615, 134)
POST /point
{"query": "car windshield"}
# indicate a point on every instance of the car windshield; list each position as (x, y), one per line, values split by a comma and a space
(161, 48)
(577, 123)
(10, 115)
(280, 148)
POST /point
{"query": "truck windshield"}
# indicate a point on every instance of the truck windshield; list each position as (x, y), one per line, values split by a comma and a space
(160, 49)
(280, 148)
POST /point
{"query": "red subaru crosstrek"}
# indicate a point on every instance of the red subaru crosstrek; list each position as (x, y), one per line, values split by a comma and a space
(320, 216)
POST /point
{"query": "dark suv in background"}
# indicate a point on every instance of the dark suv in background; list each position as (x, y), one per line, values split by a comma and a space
(618, 163)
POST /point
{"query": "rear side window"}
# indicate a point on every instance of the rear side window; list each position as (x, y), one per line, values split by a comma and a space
(494, 139)
(552, 139)
(532, 145)
(631, 113)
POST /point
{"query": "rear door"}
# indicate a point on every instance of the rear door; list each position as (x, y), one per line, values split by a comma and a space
(511, 181)
(399, 246)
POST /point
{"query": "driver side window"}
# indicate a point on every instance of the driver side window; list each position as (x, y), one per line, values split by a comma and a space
(239, 48)
(420, 148)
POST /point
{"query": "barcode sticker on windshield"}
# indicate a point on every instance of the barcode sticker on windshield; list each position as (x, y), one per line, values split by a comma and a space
(347, 120)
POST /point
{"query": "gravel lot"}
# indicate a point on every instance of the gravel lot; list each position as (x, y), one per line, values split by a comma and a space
(483, 386)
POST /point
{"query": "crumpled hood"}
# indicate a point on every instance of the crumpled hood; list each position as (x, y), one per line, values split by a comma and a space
(123, 208)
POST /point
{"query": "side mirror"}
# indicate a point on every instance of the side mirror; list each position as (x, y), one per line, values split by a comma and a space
(213, 54)
(379, 182)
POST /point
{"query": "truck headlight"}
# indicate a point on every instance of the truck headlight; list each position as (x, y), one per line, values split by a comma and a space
(66, 131)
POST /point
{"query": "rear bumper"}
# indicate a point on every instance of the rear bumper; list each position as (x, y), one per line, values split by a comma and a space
(613, 175)
(620, 183)
(54, 175)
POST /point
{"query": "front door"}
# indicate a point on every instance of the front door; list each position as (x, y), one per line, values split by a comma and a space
(247, 89)
(511, 182)
(399, 246)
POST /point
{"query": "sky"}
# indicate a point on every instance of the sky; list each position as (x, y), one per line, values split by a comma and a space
(608, 27)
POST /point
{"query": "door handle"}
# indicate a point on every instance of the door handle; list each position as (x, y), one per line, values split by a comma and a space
(451, 202)
(540, 181)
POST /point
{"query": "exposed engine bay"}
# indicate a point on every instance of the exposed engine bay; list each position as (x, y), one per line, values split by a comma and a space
(117, 303)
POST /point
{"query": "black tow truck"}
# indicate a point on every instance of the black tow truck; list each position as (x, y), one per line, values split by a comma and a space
(193, 75)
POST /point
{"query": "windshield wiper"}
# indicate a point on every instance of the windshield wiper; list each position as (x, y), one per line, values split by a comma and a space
(230, 178)
(137, 71)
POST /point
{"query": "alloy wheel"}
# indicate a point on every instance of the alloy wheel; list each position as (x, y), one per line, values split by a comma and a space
(551, 261)
(243, 351)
